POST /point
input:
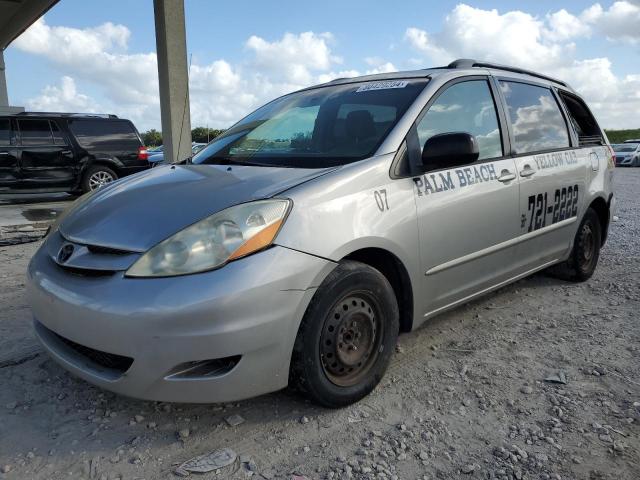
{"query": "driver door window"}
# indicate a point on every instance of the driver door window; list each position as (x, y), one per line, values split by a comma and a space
(465, 107)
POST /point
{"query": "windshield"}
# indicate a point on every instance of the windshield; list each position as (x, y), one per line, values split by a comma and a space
(626, 147)
(316, 128)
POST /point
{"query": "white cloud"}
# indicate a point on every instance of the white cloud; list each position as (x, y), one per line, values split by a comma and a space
(379, 65)
(621, 22)
(97, 54)
(62, 98)
(546, 45)
(294, 58)
(563, 26)
(220, 92)
(514, 37)
(224, 91)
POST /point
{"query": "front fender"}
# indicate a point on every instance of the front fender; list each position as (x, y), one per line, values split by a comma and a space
(356, 207)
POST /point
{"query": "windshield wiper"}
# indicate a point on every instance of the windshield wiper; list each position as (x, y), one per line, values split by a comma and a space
(230, 161)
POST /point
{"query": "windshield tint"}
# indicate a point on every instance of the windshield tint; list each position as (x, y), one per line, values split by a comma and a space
(627, 147)
(316, 128)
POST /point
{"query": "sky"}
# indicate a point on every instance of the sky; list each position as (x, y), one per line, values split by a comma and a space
(100, 56)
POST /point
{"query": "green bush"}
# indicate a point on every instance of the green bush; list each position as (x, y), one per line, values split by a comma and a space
(619, 136)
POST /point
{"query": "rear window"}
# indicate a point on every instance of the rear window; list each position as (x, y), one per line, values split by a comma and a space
(96, 134)
(5, 131)
(583, 122)
(536, 120)
(35, 132)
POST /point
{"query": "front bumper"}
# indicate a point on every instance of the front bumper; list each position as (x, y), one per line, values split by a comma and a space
(251, 308)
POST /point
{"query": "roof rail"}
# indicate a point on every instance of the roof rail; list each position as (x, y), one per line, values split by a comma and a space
(64, 114)
(470, 63)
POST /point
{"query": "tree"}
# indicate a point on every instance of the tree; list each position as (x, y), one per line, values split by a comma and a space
(152, 138)
(204, 135)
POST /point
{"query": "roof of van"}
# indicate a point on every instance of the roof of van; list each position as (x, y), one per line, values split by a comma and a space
(462, 64)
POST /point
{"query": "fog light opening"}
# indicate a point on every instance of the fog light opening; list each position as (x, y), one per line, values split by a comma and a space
(203, 369)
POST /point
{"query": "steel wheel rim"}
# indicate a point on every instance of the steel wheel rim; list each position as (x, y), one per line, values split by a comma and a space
(99, 179)
(588, 243)
(351, 339)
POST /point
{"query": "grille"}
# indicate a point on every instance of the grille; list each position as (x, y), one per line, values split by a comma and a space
(104, 359)
(87, 272)
(99, 250)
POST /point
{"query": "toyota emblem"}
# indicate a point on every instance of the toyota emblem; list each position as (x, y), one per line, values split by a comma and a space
(65, 253)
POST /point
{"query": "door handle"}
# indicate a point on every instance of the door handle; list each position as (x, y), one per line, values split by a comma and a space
(506, 176)
(66, 152)
(4, 153)
(527, 171)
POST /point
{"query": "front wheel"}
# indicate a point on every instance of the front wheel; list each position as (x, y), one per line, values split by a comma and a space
(346, 337)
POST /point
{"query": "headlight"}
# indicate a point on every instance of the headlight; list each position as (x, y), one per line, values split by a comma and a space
(210, 243)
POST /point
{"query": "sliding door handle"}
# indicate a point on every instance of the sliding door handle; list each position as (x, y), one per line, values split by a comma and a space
(506, 176)
(527, 171)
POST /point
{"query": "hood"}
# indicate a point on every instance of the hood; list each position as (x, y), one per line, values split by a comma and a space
(137, 212)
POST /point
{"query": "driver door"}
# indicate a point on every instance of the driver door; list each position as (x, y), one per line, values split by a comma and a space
(468, 216)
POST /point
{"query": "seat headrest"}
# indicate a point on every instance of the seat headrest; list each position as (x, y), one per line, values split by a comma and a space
(359, 125)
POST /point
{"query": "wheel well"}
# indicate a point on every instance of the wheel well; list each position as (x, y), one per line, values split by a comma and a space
(396, 273)
(600, 206)
(104, 163)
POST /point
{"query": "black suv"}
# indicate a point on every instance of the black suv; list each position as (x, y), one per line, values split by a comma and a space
(67, 152)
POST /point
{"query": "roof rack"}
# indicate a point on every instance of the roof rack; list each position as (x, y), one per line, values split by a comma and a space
(63, 114)
(470, 63)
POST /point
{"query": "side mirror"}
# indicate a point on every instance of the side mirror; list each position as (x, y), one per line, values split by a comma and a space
(448, 150)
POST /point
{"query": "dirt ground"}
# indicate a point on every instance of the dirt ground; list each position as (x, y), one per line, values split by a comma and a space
(465, 396)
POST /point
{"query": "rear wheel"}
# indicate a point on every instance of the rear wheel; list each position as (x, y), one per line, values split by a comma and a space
(586, 250)
(346, 337)
(97, 176)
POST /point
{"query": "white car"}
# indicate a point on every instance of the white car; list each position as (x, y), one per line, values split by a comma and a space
(627, 154)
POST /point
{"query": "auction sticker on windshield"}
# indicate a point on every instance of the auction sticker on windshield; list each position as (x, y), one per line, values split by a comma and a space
(382, 85)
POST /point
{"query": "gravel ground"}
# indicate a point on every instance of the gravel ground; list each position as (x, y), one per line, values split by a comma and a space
(465, 396)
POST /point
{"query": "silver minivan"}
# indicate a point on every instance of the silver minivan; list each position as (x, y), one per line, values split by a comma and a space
(294, 248)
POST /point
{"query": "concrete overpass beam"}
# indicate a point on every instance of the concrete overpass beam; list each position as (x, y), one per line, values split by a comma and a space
(4, 96)
(171, 46)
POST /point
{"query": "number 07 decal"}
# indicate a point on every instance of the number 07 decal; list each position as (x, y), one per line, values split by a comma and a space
(381, 199)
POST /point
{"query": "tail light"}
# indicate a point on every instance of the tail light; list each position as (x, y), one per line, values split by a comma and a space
(143, 153)
(612, 157)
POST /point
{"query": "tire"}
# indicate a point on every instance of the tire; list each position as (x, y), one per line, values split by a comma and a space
(94, 174)
(586, 250)
(354, 307)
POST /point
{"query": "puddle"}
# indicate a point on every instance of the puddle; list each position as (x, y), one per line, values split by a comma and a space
(41, 214)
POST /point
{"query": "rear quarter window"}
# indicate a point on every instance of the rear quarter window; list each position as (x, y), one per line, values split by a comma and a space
(97, 134)
(582, 120)
(536, 120)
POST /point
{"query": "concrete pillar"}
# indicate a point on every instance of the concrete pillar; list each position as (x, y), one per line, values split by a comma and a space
(4, 96)
(5, 109)
(171, 47)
